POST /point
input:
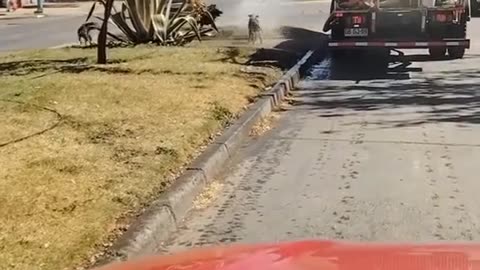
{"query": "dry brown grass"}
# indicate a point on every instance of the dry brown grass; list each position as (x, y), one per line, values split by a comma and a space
(265, 124)
(208, 196)
(125, 130)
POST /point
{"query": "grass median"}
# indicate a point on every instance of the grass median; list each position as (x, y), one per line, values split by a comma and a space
(84, 146)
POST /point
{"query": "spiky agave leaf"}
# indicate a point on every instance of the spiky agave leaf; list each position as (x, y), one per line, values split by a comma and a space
(135, 18)
(144, 21)
(193, 26)
(122, 24)
(160, 24)
(189, 36)
(117, 38)
(90, 13)
(159, 6)
(164, 6)
(172, 28)
(168, 9)
(94, 5)
(180, 10)
(175, 25)
(118, 21)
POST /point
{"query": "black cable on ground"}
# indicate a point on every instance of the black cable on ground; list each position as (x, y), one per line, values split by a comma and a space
(59, 120)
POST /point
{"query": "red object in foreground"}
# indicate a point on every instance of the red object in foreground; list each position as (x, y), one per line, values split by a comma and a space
(316, 255)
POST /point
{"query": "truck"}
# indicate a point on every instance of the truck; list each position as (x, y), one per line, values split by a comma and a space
(384, 25)
(475, 8)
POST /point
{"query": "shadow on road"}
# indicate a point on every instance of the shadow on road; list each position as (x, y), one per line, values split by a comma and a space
(372, 69)
(363, 67)
(446, 96)
(285, 54)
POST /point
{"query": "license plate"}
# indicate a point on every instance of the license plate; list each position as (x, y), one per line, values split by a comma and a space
(356, 32)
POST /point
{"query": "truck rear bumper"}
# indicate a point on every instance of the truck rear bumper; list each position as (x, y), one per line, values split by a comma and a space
(465, 43)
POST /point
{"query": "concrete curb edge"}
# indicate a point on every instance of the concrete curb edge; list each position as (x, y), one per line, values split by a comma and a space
(62, 46)
(155, 225)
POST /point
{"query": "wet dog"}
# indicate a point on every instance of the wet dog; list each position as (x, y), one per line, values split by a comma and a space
(254, 29)
(84, 30)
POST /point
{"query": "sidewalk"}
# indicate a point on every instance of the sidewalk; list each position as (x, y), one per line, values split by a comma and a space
(49, 9)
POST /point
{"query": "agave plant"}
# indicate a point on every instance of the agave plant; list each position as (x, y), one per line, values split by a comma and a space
(172, 29)
(159, 21)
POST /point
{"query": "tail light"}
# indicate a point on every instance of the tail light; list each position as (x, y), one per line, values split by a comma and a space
(358, 19)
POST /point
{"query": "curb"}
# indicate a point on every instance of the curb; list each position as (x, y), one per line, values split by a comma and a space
(53, 5)
(154, 226)
(62, 46)
(7, 17)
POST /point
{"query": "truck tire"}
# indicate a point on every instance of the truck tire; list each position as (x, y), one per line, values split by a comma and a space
(456, 52)
(437, 52)
(459, 52)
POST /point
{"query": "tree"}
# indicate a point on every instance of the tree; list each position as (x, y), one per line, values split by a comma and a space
(102, 36)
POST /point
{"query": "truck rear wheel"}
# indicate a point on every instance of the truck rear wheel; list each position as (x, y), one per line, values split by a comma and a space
(437, 52)
(456, 52)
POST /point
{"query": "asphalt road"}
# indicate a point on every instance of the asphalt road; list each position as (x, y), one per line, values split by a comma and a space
(37, 33)
(358, 155)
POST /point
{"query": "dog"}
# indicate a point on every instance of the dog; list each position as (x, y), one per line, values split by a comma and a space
(254, 29)
(214, 11)
(84, 30)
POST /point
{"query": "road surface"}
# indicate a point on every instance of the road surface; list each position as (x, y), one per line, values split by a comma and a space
(38, 33)
(358, 156)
